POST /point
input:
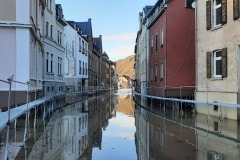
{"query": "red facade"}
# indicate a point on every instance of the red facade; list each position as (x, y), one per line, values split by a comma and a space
(177, 54)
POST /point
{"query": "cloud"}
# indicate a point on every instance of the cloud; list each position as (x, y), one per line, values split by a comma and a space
(119, 46)
(120, 37)
(120, 52)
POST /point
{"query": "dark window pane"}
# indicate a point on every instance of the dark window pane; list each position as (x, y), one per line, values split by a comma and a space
(218, 67)
(218, 16)
(218, 2)
(218, 54)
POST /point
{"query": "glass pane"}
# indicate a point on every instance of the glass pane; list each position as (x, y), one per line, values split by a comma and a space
(218, 2)
(218, 54)
(218, 67)
(218, 16)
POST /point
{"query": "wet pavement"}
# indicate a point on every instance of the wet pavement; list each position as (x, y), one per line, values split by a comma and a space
(113, 127)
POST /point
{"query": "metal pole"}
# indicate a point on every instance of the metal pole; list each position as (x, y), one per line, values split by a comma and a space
(27, 95)
(8, 123)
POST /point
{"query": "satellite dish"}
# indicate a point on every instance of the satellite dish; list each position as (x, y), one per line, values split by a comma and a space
(194, 5)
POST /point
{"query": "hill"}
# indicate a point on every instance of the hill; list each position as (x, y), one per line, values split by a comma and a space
(126, 66)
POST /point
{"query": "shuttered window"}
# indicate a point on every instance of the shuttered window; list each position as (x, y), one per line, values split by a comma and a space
(219, 10)
(235, 9)
(218, 62)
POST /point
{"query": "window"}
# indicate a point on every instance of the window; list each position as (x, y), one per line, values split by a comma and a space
(152, 44)
(188, 3)
(80, 46)
(215, 126)
(161, 71)
(83, 67)
(216, 66)
(236, 9)
(217, 63)
(156, 42)
(86, 49)
(217, 12)
(58, 65)
(80, 121)
(83, 47)
(49, 4)
(47, 24)
(51, 63)
(59, 39)
(51, 32)
(156, 71)
(151, 73)
(80, 68)
(162, 37)
(86, 68)
(47, 59)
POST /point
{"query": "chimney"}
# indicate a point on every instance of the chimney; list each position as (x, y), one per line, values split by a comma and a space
(89, 19)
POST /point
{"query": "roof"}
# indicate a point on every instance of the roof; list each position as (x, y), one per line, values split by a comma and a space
(158, 3)
(98, 42)
(104, 55)
(86, 27)
(147, 9)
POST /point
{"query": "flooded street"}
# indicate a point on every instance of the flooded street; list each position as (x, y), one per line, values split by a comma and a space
(113, 127)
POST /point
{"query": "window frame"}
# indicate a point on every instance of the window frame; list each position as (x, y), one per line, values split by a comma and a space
(215, 7)
(215, 59)
(162, 37)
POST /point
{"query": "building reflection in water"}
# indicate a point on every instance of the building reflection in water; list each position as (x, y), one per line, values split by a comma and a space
(167, 134)
(65, 136)
(71, 132)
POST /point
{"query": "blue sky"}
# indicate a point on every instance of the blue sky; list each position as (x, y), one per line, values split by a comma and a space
(115, 20)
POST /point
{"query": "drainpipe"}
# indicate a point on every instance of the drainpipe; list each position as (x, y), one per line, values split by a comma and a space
(165, 83)
(196, 69)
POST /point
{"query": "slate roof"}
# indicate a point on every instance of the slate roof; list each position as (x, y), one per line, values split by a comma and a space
(86, 27)
(98, 42)
(147, 9)
(104, 55)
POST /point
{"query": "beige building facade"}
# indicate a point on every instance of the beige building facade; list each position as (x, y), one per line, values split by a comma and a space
(217, 56)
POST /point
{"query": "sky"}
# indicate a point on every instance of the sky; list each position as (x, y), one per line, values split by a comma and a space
(115, 20)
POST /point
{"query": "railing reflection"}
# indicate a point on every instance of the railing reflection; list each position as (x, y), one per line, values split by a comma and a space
(168, 131)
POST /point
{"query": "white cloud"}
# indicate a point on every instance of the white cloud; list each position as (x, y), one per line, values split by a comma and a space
(120, 52)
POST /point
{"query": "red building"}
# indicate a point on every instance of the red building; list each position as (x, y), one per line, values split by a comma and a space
(171, 27)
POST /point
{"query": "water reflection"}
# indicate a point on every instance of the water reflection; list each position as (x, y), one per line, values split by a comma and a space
(118, 140)
(171, 134)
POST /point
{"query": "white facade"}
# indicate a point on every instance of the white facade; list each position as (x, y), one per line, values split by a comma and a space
(217, 83)
(142, 57)
(54, 50)
(143, 54)
(21, 44)
(75, 60)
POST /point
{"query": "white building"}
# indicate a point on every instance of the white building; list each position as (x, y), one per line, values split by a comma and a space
(218, 48)
(142, 50)
(76, 59)
(54, 48)
(21, 43)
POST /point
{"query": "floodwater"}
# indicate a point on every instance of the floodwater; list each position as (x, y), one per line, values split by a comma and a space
(113, 127)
